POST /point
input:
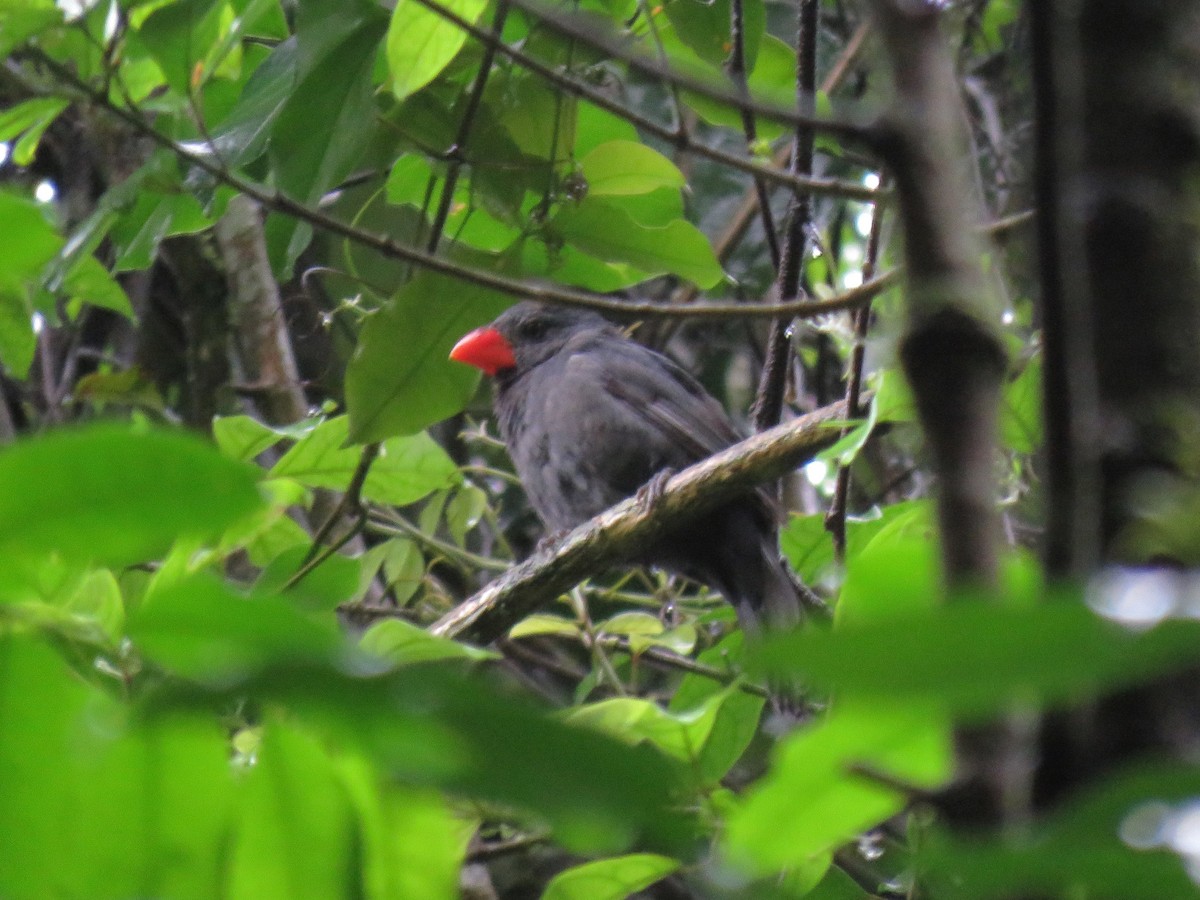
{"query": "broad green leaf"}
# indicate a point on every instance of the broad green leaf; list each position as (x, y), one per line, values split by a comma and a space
(420, 43)
(242, 136)
(681, 734)
(296, 836)
(413, 841)
(243, 438)
(179, 36)
(610, 879)
(154, 216)
(408, 181)
(1054, 653)
(403, 566)
(434, 725)
(773, 81)
(320, 132)
(704, 27)
(20, 21)
(609, 233)
(94, 805)
(402, 643)
(203, 631)
(89, 282)
(464, 511)
(30, 244)
(41, 706)
(893, 397)
(98, 600)
(322, 589)
(406, 469)
(28, 121)
(401, 378)
(627, 167)
(115, 495)
(769, 830)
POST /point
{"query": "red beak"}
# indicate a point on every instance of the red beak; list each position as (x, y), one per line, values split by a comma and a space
(486, 349)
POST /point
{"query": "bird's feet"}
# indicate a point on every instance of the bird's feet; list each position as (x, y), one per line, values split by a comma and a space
(651, 492)
(549, 541)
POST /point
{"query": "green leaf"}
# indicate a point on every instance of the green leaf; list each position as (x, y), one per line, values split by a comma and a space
(402, 643)
(243, 438)
(319, 134)
(544, 623)
(681, 734)
(89, 282)
(1021, 411)
(704, 27)
(403, 566)
(406, 469)
(768, 831)
(242, 136)
(203, 631)
(116, 495)
(30, 244)
(154, 216)
(1114, 839)
(323, 589)
(420, 43)
(28, 121)
(464, 511)
(413, 840)
(627, 167)
(609, 233)
(401, 378)
(23, 20)
(1053, 653)
(437, 726)
(179, 36)
(772, 81)
(92, 804)
(296, 836)
(610, 879)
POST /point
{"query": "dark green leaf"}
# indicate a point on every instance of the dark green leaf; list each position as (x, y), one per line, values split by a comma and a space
(401, 378)
(179, 36)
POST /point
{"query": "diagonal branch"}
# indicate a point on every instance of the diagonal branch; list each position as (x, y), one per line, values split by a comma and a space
(618, 533)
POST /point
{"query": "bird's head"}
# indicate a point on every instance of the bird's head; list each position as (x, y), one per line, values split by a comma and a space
(524, 336)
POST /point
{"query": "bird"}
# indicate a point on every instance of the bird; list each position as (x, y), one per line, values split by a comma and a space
(591, 417)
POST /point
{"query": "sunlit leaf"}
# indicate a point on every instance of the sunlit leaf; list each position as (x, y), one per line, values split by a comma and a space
(609, 879)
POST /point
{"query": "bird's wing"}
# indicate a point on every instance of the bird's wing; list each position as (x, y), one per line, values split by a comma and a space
(668, 400)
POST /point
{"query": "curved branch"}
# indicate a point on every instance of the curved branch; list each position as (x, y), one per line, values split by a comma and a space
(619, 532)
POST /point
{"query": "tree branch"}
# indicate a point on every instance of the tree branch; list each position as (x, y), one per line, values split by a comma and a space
(621, 531)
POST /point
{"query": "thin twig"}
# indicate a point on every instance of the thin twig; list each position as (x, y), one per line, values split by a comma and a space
(768, 401)
(835, 519)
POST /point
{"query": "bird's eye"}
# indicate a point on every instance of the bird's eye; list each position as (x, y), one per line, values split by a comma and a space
(534, 329)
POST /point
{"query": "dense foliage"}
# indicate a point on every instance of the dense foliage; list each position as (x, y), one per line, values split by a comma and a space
(239, 239)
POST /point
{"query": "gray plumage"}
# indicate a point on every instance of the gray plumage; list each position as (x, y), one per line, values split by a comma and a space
(590, 416)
